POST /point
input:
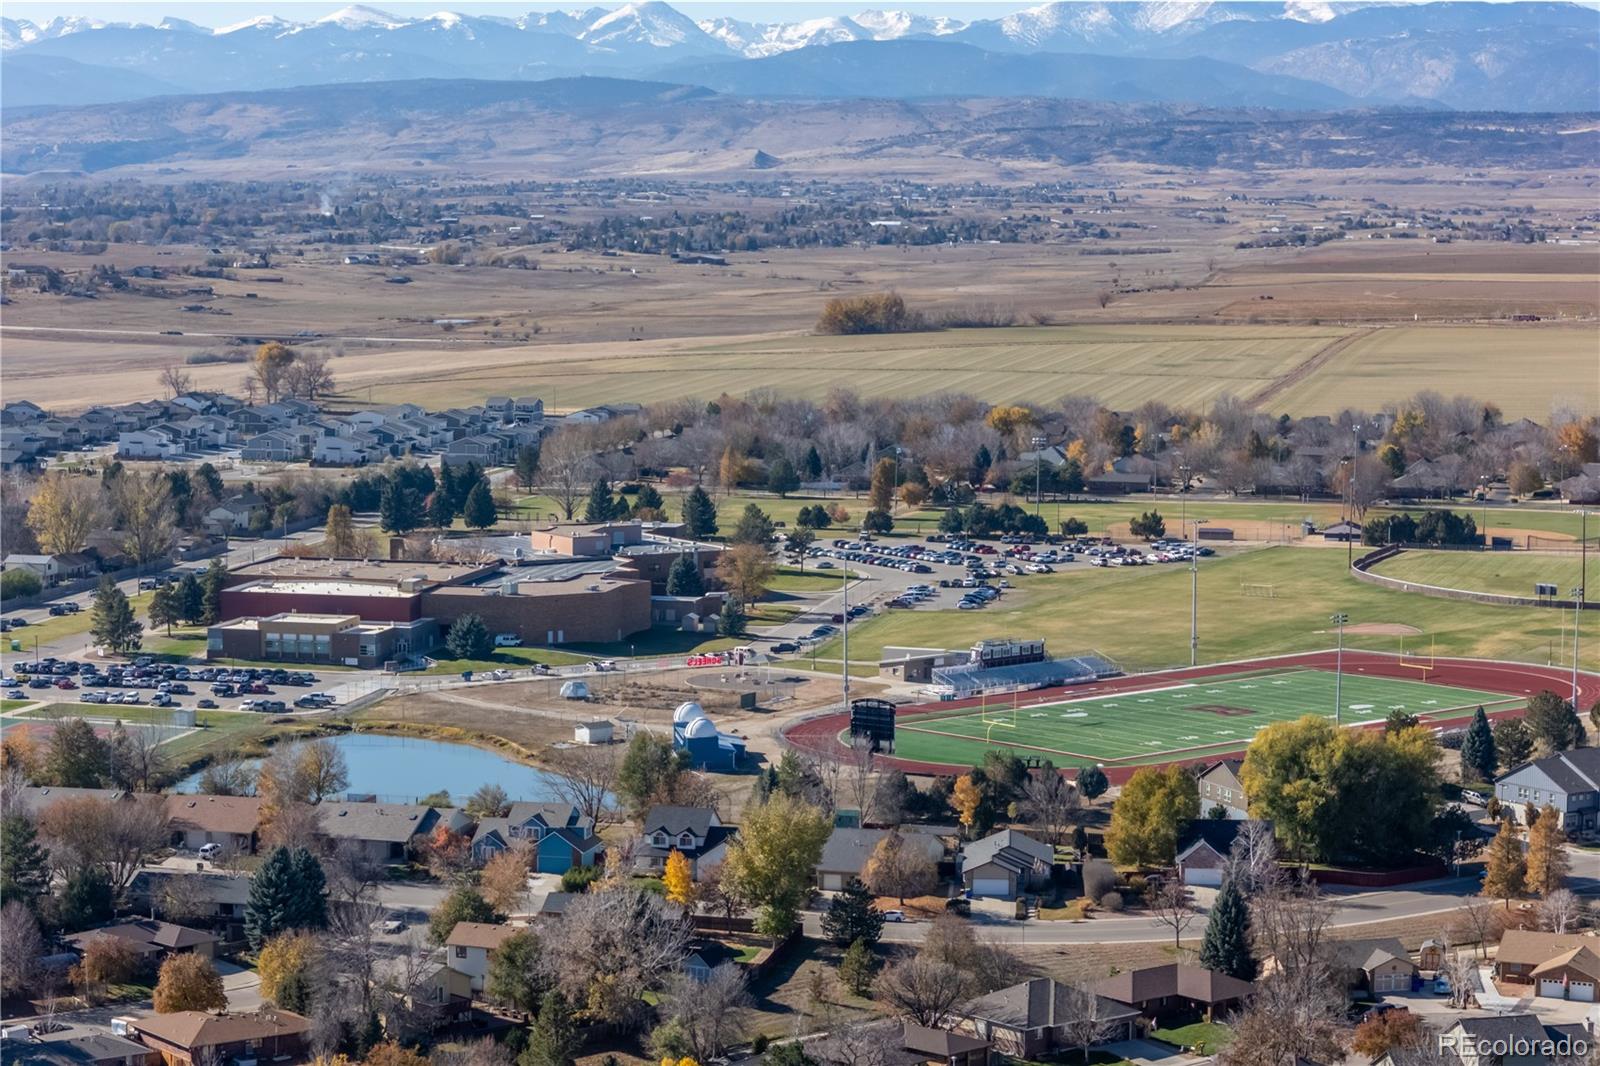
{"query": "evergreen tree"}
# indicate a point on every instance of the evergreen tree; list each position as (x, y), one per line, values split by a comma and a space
(1478, 757)
(852, 918)
(271, 905)
(733, 619)
(471, 473)
(86, 900)
(450, 489)
(399, 508)
(164, 608)
(754, 527)
(684, 579)
(781, 477)
(812, 464)
(77, 757)
(527, 466)
(111, 622)
(1226, 947)
(480, 510)
(24, 865)
(1092, 782)
(308, 907)
(699, 514)
(213, 581)
(440, 513)
(1553, 722)
(1513, 742)
(857, 968)
(553, 1039)
(469, 638)
(650, 500)
(190, 598)
(601, 507)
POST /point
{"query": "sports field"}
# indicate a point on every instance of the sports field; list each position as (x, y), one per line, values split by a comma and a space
(1503, 573)
(1175, 721)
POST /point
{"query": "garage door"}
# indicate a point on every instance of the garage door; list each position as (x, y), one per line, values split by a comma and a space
(991, 886)
(1200, 876)
(1582, 991)
(1393, 982)
(1553, 989)
(833, 882)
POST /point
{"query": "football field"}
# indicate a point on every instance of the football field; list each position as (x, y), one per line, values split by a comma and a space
(1186, 720)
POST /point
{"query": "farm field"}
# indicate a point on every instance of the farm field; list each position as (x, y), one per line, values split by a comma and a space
(1139, 617)
(1186, 720)
(1506, 573)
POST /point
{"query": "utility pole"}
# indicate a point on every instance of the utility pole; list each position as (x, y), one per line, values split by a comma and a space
(1038, 473)
(1338, 671)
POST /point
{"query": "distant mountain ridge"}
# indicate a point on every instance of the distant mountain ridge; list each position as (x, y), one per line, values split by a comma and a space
(1466, 55)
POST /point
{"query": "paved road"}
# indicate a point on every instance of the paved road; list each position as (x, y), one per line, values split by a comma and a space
(441, 342)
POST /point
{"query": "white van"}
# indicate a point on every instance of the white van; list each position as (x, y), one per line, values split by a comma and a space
(507, 640)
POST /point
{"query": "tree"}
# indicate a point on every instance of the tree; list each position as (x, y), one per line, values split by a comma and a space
(526, 467)
(1148, 526)
(1507, 872)
(486, 801)
(25, 947)
(284, 966)
(858, 968)
(852, 918)
(585, 777)
(144, 510)
(437, 508)
(1092, 782)
(812, 463)
(340, 533)
(272, 360)
(746, 570)
(18, 583)
(24, 863)
(880, 493)
(516, 976)
(1172, 904)
(684, 579)
(164, 609)
(972, 806)
(614, 945)
(77, 757)
(754, 527)
(1051, 803)
(320, 769)
(1155, 804)
(480, 512)
(1553, 722)
(895, 868)
(699, 514)
(602, 507)
(111, 621)
(705, 1010)
(772, 861)
(649, 772)
(112, 836)
(1547, 862)
(1513, 742)
(106, 960)
(213, 581)
(462, 905)
(189, 982)
(1389, 1031)
(399, 507)
(1478, 755)
(553, 1039)
(782, 478)
(176, 380)
(648, 504)
(63, 511)
(923, 989)
(87, 899)
(268, 910)
(1086, 1018)
(1226, 947)
(189, 598)
(469, 638)
(877, 520)
(308, 905)
(678, 879)
(1560, 911)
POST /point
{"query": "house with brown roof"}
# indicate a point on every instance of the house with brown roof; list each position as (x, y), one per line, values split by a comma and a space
(192, 1036)
(1176, 991)
(1029, 1020)
(1376, 966)
(152, 940)
(471, 945)
(231, 821)
(1557, 965)
(943, 1046)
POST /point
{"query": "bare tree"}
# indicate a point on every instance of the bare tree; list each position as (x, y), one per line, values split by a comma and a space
(1561, 910)
(1052, 803)
(293, 825)
(142, 758)
(923, 989)
(228, 777)
(1300, 1007)
(407, 998)
(585, 777)
(114, 836)
(1460, 969)
(898, 868)
(1477, 922)
(351, 872)
(176, 380)
(1083, 1017)
(19, 931)
(706, 1009)
(309, 376)
(856, 771)
(866, 1044)
(1172, 904)
(567, 468)
(147, 517)
(610, 948)
(1253, 858)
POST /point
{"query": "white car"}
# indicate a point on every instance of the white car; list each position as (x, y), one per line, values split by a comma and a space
(507, 640)
(209, 852)
(894, 916)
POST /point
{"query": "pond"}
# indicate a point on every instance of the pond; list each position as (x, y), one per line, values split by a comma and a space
(404, 769)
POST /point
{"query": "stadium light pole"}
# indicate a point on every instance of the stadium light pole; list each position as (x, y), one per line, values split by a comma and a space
(1038, 473)
(1483, 480)
(1577, 612)
(1194, 594)
(1183, 499)
(1338, 671)
(844, 671)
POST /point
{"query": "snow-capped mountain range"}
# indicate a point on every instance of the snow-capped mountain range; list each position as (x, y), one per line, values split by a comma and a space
(1520, 56)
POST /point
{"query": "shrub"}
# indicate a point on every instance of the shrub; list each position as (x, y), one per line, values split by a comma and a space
(579, 878)
(19, 582)
(1098, 878)
(1112, 901)
(875, 313)
(207, 358)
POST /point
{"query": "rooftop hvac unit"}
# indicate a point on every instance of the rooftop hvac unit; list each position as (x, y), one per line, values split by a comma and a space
(508, 587)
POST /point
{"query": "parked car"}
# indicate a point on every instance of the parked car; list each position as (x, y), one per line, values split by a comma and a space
(209, 852)
(507, 640)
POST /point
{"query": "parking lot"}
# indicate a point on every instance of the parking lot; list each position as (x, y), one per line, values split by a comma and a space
(145, 681)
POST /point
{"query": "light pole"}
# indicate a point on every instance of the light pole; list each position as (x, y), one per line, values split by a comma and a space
(1483, 527)
(844, 671)
(1338, 671)
(1194, 594)
(1577, 611)
(1038, 473)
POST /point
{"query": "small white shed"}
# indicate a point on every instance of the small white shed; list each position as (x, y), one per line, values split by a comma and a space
(596, 732)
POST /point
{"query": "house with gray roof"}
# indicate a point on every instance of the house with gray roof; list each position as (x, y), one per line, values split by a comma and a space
(846, 853)
(386, 831)
(1029, 1020)
(1569, 781)
(694, 832)
(79, 1047)
(556, 834)
(1005, 865)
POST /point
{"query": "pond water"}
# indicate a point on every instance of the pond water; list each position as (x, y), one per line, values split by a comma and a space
(404, 769)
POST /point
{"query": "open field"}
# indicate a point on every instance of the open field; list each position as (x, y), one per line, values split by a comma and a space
(1140, 616)
(1500, 572)
(1178, 721)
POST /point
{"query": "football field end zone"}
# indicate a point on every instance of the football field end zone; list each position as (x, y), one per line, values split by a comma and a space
(1517, 680)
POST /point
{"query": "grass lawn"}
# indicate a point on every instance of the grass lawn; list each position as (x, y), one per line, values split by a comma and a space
(1506, 573)
(774, 614)
(792, 579)
(1141, 726)
(508, 658)
(1139, 616)
(1212, 1035)
(1075, 911)
(52, 630)
(11, 705)
(657, 642)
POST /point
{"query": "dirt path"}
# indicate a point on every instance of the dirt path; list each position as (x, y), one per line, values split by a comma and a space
(1323, 356)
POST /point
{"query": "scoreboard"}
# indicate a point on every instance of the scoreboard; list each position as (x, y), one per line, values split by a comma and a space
(873, 719)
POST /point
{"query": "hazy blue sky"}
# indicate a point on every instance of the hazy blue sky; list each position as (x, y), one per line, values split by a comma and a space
(214, 14)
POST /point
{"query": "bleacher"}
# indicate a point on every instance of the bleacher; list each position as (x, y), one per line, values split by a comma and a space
(975, 678)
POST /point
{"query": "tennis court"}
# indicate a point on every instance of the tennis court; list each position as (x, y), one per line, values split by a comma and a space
(1182, 720)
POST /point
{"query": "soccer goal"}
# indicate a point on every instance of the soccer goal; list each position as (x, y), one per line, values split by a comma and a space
(1265, 592)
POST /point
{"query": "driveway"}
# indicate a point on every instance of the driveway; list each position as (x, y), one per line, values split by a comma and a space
(1149, 1053)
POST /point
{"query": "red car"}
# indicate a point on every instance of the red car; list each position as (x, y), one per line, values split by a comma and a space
(66, 682)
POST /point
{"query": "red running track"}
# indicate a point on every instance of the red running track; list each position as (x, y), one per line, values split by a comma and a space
(821, 734)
